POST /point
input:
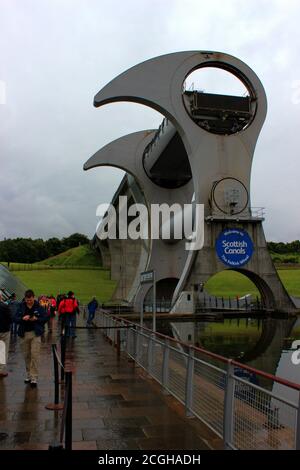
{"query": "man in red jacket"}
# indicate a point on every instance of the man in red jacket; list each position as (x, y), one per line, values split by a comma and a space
(68, 308)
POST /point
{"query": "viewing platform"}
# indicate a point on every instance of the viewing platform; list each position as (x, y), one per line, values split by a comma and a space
(115, 404)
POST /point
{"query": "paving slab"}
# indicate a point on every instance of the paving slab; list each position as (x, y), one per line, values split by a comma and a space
(115, 404)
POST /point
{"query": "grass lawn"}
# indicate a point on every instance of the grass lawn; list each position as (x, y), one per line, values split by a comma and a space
(85, 283)
(80, 256)
(291, 280)
(230, 284)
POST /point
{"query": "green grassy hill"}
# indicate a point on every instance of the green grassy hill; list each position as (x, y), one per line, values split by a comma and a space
(82, 255)
(79, 269)
(84, 282)
(74, 269)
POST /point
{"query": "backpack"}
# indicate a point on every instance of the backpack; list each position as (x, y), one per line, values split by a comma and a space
(70, 305)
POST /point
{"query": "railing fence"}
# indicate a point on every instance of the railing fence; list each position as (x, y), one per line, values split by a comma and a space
(237, 402)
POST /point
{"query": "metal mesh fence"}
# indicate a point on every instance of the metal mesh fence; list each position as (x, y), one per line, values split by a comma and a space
(177, 373)
(245, 414)
(157, 361)
(261, 420)
(208, 394)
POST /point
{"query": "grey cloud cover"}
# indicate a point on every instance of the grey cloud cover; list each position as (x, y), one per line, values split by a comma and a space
(56, 54)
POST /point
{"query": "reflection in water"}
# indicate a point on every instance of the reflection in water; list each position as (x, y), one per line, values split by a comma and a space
(261, 343)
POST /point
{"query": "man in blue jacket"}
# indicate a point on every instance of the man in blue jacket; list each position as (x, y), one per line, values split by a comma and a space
(31, 318)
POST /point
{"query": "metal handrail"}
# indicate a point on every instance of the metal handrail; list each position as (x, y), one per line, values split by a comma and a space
(212, 355)
(66, 406)
(234, 408)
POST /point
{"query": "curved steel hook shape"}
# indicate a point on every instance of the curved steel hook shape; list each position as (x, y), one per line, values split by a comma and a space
(158, 83)
(122, 153)
(126, 153)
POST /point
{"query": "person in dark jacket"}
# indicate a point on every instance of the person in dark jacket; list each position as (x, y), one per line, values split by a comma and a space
(5, 322)
(14, 307)
(31, 318)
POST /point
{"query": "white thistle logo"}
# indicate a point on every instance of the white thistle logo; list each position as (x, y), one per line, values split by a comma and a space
(296, 354)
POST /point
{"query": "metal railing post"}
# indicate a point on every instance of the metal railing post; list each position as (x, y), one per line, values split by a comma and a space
(127, 347)
(142, 314)
(298, 426)
(56, 376)
(150, 353)
(63, 356)
(122, 336)
(68, 431)
(118, 343)
(137, 343)
(228, 407)
(56, 405)
(189, 383)
(165, 366)
(104, 325)
(154, 303)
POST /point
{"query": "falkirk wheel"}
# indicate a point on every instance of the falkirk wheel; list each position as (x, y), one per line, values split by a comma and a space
(202, 152)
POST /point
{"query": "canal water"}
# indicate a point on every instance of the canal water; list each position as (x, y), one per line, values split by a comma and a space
(262, 343)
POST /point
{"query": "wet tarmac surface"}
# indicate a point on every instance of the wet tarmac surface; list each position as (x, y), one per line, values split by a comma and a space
(115, 405)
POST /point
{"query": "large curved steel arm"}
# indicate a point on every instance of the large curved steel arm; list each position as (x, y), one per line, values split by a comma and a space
(124, 153)
(158, 83)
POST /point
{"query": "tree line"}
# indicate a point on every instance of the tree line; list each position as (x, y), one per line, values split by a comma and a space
(27, 250)
(284, 248)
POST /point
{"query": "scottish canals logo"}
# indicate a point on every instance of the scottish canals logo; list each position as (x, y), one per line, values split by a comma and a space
(234, 247)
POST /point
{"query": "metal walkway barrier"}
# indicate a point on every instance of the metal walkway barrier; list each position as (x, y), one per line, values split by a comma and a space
(245, 407)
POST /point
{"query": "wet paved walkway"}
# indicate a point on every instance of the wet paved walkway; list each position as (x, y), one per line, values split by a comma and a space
(115, 405)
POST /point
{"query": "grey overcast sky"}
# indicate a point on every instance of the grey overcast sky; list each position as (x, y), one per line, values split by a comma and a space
(56, 54)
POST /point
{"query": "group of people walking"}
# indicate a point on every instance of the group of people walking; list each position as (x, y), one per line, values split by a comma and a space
(28, 319)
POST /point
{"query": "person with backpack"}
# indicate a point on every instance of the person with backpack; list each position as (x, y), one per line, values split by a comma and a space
(92, 307)
(68, 308)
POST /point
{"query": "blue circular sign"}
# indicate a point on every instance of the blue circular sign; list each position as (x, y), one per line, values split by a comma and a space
(234, 247)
